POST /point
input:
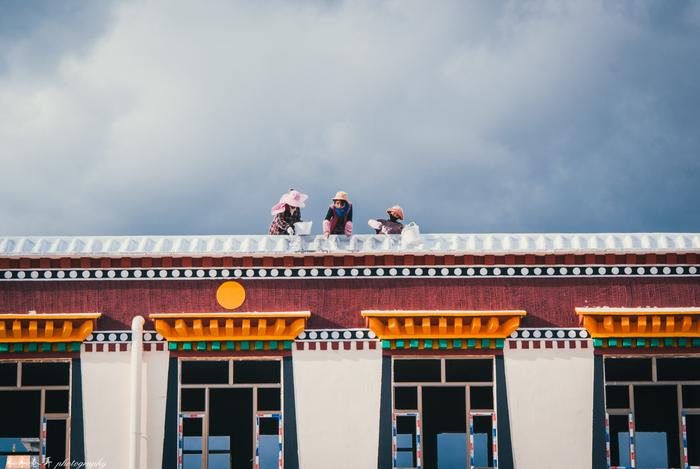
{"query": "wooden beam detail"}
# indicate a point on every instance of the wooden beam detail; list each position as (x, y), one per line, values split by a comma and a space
(640, 322)
(214, 327)
(279, 327)
(391, 325)
(32, 327)
(67, 329)
(189, 327)
(408, 323)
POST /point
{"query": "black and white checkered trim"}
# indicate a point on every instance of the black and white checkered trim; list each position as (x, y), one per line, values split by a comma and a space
(121, 337)
(549, 333)
(330, 335)
(291, 273)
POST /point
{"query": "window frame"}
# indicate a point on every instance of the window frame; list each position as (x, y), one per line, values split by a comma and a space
(466, 385)
(204, 414)
(682, 411)
(280, 436)
(43, 415)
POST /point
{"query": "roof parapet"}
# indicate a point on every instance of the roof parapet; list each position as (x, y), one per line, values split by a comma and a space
(273, 246)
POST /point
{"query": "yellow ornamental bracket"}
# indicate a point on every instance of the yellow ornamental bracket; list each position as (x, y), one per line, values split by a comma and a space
(199, 327)
(40, 328)
(607, 322)
(393, 325)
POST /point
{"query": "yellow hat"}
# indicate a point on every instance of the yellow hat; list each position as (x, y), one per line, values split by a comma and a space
(341, 195)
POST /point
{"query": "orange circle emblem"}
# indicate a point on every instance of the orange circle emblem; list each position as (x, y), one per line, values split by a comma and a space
(230, 295)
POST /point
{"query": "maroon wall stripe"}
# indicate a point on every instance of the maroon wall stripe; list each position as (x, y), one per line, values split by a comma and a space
(338, 302)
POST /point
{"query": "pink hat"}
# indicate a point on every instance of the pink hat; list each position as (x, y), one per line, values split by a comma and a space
(292, 198)
(396, 211)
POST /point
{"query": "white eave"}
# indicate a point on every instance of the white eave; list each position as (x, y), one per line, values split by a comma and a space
(438, 244)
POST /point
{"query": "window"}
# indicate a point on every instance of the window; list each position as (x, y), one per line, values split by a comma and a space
(230, 414)
(36, 402)
(444, 413)
(652, 411)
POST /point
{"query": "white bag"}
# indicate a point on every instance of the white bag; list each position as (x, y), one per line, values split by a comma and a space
(303, 228)
(410, 235)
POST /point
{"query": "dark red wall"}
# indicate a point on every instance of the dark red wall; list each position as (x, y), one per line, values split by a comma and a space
(337, 303)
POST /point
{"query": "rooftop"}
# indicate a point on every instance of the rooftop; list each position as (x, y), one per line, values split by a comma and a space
(476, 244)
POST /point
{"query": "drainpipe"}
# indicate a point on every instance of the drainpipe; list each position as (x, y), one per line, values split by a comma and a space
(135, 395)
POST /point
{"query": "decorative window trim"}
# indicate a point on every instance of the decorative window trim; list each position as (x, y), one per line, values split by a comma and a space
(33, 332)
(230, 331)
(444, 329)
(642, 327)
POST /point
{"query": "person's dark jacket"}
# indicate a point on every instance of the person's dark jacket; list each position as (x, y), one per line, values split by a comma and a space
(337, 224)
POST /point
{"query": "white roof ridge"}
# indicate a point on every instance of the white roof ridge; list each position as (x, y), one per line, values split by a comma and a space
(428, 243)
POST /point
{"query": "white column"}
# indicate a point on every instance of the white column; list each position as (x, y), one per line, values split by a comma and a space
(135, 391)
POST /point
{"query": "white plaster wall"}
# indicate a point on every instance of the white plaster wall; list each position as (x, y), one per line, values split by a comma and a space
(106, 407)
(106, 389)
(154, 394)
(337, 395)
(550, 401)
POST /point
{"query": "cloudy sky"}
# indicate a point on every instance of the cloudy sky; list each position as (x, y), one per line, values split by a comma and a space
(182, 117)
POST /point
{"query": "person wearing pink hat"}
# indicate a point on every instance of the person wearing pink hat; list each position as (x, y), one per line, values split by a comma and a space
(390, 226)
(287, 212)
(339, 216)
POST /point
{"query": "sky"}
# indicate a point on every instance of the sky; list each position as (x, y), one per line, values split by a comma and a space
(180, 118)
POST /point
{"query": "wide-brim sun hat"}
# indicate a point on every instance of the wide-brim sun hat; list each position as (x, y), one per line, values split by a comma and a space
(341, 195)
(396, 211)
(292, 198)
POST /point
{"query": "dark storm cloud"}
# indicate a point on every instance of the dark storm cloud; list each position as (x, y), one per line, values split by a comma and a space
(180, 118)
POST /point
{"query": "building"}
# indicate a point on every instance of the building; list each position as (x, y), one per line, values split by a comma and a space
(527, 351)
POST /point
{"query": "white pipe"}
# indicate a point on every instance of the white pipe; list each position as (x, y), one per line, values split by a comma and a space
(135, 395)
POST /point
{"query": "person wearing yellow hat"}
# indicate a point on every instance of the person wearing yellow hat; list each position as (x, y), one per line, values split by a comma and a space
(390, 226)
(339, 216)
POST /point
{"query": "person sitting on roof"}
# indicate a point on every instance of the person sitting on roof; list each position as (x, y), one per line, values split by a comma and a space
(339, 216)
(390, 226)
(287, 212)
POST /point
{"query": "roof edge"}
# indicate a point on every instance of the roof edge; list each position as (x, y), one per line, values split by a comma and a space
(316, 245)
